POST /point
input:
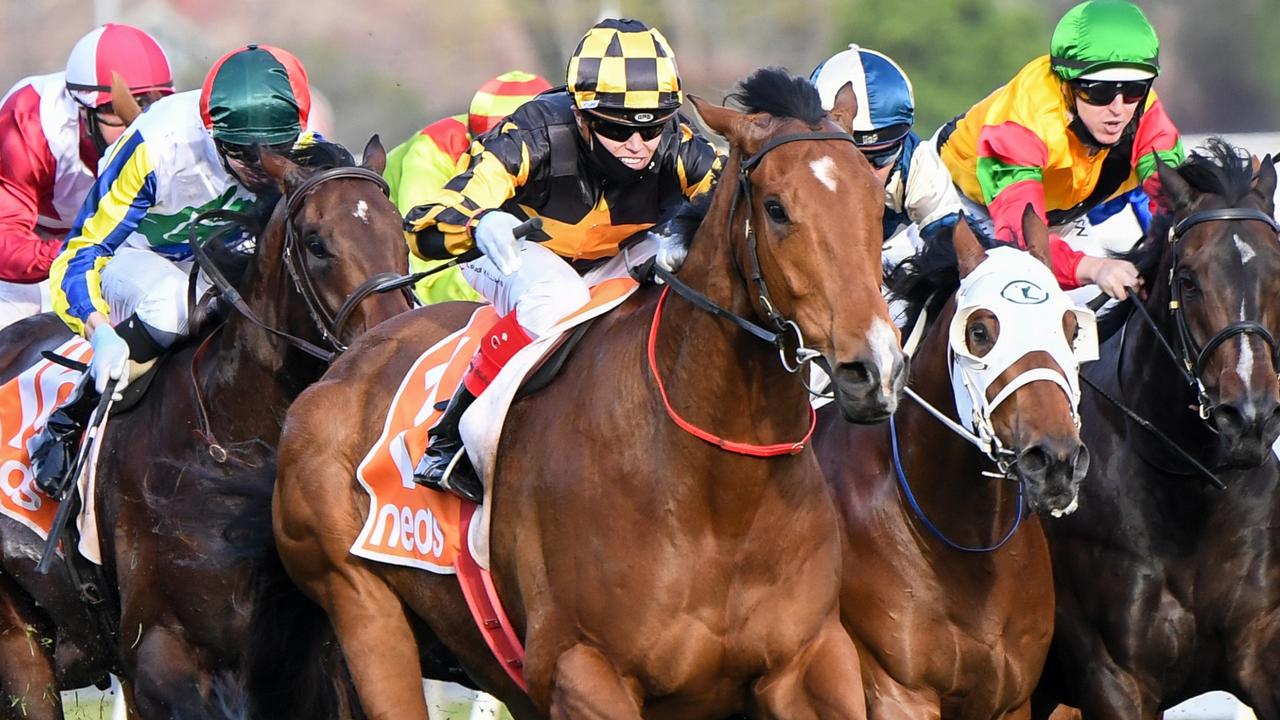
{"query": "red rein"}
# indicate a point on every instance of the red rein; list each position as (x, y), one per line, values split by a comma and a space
(729, 445)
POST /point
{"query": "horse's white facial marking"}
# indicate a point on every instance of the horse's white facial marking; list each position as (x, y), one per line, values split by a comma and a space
(1246, 253)
(824, 169)
(1244, 366)
(883, 341)
(362, 212)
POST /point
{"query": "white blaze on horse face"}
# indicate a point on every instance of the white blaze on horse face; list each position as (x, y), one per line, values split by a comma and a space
(1246, 253)
(362, 212)
(824, 168)
(1244, 366)
(883, 342)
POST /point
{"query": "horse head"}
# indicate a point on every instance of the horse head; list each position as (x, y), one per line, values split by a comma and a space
(1015, 341)
(1222, 266)
(337, 241)
(805, 234)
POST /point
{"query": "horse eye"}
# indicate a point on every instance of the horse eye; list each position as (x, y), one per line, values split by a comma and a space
(316, 247)
(776, 211)
(1187, 280)
(978, 334)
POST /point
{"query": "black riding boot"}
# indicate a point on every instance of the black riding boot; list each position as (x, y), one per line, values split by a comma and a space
(54, 450)
(443, 444)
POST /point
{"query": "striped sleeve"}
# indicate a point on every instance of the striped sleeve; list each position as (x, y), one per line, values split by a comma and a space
(495, 167)
(1011, 161)
(698, 163)
(1156, 138)
(119, 200)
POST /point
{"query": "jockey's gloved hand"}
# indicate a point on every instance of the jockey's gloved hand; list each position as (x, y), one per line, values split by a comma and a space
(496, 240)
(672, 250)
(110, 359)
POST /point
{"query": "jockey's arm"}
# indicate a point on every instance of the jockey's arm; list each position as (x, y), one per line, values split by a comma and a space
(1156, 139)
(27, 171)
(423, 169)
(931, 199)
(489, 175)
(119, 200)
(698, 163)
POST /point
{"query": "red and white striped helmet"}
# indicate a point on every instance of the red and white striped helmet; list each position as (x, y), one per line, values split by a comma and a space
(125, 49)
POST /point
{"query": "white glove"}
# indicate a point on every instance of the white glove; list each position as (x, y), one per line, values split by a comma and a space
(110, 359)
(497, 242)
(672, 251)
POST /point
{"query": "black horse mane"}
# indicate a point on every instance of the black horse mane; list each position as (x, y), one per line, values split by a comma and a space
(774, 90)
(1216, 168)
(927, 280)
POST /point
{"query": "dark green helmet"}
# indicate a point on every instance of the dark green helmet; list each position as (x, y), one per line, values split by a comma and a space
(1103, 35)
(256, 94)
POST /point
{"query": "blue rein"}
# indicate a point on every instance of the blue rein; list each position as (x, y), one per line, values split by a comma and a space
(924, 519)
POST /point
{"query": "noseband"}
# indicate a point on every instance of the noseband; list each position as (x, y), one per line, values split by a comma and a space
(330, 325)
(1194, 357)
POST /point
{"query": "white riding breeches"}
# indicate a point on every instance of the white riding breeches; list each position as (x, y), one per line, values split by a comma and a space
(144, 283)
(22, 300)
(546, 288)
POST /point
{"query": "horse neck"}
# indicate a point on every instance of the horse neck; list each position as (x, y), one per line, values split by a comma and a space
(720, 377)
(943, 469)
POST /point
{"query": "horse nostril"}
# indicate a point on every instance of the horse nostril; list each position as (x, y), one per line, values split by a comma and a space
(1034, 460)
(860, 374)
(1227, 418)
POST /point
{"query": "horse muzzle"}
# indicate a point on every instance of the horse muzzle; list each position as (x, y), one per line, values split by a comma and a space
(866, 392)
(1051, 472)
(1248, 430)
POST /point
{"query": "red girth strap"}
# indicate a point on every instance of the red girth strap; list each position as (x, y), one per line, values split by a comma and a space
(729, 445)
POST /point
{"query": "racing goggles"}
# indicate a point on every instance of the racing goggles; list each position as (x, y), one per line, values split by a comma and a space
(248, 154)
(618, 132)
(1104, 92)
(882, 157)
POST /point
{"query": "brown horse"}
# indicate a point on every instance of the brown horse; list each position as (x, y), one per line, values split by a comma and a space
(650, 574)
(949, 596)
(176, 598)
(1168, 587)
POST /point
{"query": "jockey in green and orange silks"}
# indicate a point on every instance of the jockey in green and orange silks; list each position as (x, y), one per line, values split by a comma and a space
(1072, 130)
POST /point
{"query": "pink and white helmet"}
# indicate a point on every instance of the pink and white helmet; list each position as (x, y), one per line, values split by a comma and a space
(125, 49)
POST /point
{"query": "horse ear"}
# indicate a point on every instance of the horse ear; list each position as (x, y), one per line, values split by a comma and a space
(1035, 235)
(845, 108)
(122, 101)
(969, 252)
(374, 156)
(283, 170)
(746, 131)
(1264, 184)
(1176, 193)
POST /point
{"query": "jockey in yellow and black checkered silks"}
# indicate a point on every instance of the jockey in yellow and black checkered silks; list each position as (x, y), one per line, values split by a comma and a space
(599, 161)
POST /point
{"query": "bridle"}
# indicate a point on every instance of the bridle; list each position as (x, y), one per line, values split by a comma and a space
(330, 324)
(1194, 357)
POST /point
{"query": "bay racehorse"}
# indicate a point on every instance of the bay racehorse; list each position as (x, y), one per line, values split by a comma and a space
(649, 573)
(948, 590)
(176, 601)
(1168, 586)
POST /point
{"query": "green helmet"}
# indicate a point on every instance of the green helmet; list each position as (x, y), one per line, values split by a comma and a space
(257, 94)
(1105, 35)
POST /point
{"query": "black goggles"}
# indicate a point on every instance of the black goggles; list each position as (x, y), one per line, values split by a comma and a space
(1104, 92)
(248, 154)
(881, 158)
(618, 132)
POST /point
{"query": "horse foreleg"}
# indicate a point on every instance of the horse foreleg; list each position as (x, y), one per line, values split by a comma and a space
(377, 642)
(587, 687)
(1109, 693)
(823, 683)
(28, 683)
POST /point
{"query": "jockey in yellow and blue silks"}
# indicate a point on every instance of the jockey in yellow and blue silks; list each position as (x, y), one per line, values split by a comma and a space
(1072, 130)
(423, 164)
(919, 196)
(605, 159)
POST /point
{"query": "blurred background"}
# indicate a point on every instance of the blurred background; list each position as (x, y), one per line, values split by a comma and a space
(392, 66)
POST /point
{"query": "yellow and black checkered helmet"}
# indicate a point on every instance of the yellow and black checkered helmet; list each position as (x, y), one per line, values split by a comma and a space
(625, 71)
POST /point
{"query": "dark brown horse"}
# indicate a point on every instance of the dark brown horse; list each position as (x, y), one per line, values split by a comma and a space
(1168, 587)
(948, 590)
(177, 597)
(650, 574)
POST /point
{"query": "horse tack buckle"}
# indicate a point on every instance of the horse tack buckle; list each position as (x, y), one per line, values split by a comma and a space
(803, 354)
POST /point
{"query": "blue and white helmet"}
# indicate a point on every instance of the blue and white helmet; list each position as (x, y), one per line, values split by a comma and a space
(886, 102)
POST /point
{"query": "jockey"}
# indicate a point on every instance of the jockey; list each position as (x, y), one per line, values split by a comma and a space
(425, 162)
(599, 161)
(919, 196)
(1070, 131)
(53, 130)
(121, 278)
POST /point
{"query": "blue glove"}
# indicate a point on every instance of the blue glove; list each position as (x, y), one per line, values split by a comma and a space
(496, 240)
(110, 360)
